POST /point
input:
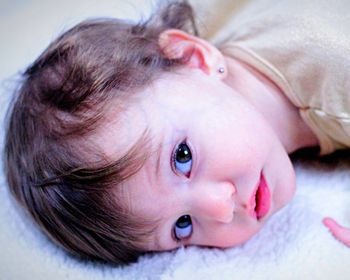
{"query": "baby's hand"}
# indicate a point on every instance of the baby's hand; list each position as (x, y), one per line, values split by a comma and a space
(339, 232)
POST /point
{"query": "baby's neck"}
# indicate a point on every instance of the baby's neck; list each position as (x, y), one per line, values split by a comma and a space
(272, 103)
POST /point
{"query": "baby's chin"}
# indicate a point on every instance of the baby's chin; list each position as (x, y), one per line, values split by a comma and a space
(285, 192)
(284, 199)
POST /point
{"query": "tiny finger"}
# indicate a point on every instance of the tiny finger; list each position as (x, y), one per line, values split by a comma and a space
(339, 232)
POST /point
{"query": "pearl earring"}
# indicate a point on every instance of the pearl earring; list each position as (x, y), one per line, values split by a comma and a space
(221, 70)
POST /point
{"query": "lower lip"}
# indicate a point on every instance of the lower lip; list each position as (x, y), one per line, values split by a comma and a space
(262, 194)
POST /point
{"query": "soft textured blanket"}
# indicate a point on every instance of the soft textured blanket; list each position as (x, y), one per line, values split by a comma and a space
(293, 245)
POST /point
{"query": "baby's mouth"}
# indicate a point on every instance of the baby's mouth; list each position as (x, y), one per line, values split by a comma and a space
(260, 200)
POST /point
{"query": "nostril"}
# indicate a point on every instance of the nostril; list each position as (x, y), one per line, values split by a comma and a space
(234, 189)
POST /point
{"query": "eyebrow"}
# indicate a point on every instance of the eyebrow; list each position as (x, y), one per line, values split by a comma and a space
(157, 238)
(157, 234)
(158, 159)
(158, 223)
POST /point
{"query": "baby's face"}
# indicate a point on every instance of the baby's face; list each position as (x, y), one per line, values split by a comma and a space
(220, 171)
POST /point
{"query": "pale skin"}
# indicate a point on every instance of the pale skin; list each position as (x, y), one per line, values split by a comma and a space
(237, 126)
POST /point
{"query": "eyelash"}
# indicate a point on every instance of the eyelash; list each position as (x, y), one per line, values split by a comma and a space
(177, 240)
(173, 159)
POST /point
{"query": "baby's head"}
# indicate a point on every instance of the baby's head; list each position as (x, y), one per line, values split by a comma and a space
(126, 138)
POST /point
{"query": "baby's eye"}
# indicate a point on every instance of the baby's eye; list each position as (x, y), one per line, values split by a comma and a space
(183, 227)
(182, 159)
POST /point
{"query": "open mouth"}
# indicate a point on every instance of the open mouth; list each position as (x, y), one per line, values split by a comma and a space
(261, 199)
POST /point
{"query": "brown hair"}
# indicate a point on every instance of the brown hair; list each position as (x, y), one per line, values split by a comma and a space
(61, 101)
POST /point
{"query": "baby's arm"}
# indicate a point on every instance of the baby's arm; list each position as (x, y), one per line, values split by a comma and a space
(339, 232)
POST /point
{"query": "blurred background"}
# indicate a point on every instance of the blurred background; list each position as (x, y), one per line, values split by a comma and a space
(28, 26)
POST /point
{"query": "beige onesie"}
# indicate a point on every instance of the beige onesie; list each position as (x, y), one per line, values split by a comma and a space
(304, 47)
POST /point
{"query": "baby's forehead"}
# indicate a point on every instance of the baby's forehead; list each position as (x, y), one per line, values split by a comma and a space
(119, 130)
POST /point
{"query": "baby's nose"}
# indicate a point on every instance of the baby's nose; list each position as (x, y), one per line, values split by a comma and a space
(214, 201)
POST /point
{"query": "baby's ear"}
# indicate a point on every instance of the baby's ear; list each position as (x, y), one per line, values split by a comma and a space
(198, 53)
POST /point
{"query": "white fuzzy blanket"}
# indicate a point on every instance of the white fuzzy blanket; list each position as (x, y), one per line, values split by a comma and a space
(293, 245)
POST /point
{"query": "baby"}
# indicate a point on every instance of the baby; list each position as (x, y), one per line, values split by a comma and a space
(128, 138)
